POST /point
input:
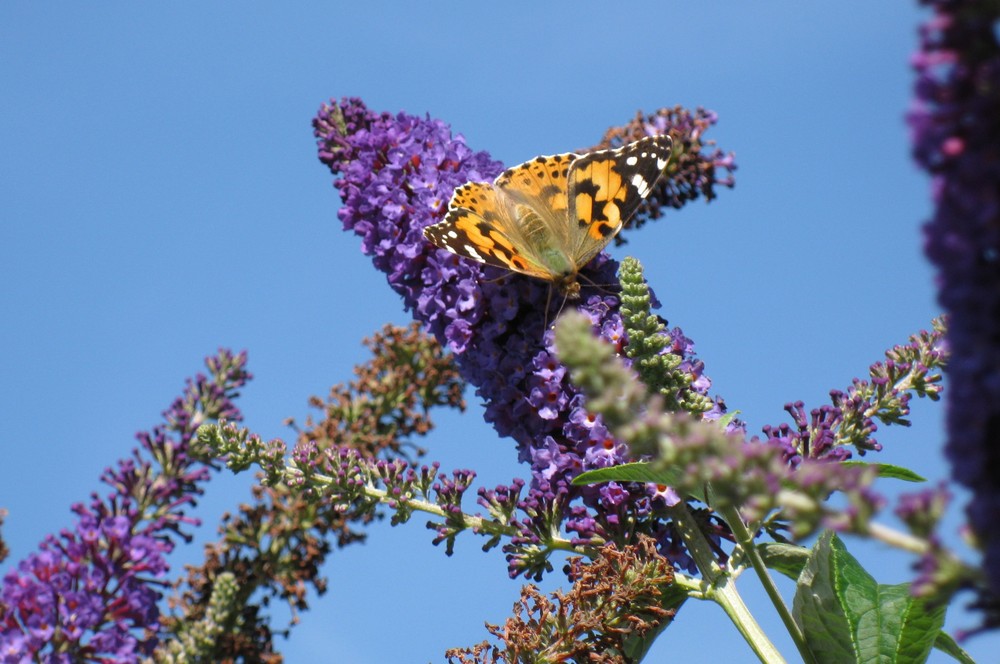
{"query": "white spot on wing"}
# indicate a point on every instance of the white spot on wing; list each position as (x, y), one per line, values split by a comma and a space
(469, 249)
(640, 184)
(632, 161)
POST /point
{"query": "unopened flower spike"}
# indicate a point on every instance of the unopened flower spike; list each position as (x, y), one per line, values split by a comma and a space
(690, 454)
(652, 349)
(197, 640)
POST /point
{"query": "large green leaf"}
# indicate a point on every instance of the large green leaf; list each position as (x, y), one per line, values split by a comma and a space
(639, 471)
(847, 616)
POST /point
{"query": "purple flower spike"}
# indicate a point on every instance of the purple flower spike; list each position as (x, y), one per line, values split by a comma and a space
(396, 174)
(90, 595)
(956, 134)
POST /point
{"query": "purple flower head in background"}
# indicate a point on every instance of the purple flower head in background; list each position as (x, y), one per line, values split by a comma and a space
(91, 587)
(396, 174)
(91, 593)
(956, 136)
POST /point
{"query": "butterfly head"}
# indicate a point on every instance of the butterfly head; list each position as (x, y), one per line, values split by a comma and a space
(568, 286)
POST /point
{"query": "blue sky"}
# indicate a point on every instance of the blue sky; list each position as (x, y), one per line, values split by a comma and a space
(160, 197)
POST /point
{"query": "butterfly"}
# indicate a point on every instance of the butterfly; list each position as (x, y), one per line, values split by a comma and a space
(549, 216)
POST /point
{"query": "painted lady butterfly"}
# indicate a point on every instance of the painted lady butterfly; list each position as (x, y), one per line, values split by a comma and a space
(550, 216)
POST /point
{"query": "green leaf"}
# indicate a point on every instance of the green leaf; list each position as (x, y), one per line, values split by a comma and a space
(847, 616)
(788, 559)
(919, 625)
(727, 418)
(817, 608)
(947, 645)
(640, 471)
(889, 470)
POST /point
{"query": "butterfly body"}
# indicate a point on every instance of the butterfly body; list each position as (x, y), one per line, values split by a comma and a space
(548, 217)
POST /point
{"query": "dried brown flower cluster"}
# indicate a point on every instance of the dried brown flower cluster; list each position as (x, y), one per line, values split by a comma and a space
(615, 601)
(388, 402)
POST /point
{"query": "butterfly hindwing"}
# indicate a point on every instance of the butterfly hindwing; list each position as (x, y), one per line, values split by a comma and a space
(477, 226)
(536, 197)
(540, 183)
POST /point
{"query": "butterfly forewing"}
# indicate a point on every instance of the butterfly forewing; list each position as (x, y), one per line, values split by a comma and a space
(607, 187)
(541, 182)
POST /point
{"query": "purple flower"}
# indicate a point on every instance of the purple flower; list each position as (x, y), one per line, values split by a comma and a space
(64, 593)
(550, 459)
(395, 174)
(91, 593)
(828, 432)
(956, 134)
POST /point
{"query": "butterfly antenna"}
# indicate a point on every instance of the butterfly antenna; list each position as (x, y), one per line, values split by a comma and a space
(496, 279)
(604, 288)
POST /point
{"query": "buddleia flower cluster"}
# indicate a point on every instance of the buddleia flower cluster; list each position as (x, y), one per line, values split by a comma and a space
(91, 592)
(616, 601)
(848, 424)
(956, 130)
(396, 174)
(495, 324)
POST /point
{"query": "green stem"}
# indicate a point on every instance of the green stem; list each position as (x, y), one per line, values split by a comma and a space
(745, 539)
(720, 586)
(725, 594)
(473, 522)
(898, 539)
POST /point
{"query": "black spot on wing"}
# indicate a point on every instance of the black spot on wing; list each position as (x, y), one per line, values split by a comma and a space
(550, 191)
(605, 229)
